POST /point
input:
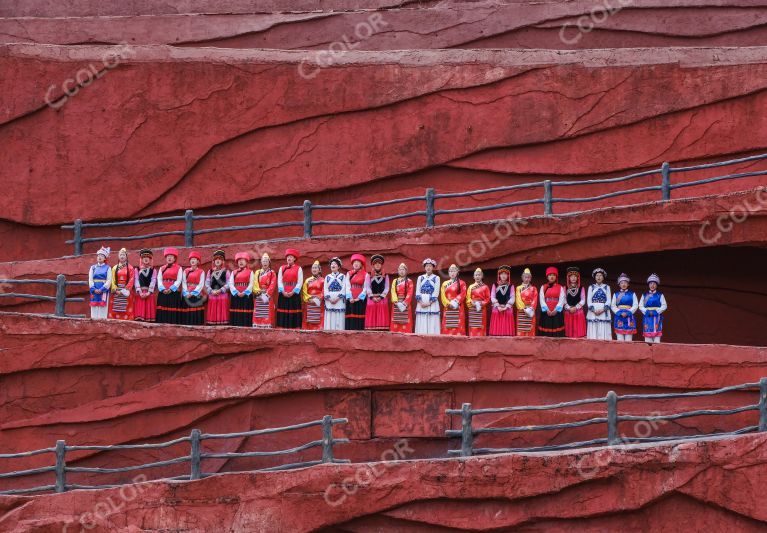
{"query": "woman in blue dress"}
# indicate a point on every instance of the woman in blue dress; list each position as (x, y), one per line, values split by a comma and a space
(652, 305)
(624, 305)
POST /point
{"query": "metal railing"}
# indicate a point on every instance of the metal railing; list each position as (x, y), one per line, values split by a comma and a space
(430, 212)
(612, 419)
(195, 457)
(60, 299)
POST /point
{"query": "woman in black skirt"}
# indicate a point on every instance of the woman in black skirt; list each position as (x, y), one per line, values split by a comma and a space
(193, 303)
(357, 283)
(290, 279)
(241, 287)
(169, 281)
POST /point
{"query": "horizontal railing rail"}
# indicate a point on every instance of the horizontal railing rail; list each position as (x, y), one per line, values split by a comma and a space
(60, 298)
(195, 457)
(612, 418)
(430, 212)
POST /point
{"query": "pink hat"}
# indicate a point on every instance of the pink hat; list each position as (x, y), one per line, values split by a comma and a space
(195, 255)
(242, 255)
(292, 251)
(358, 257)
(552, 270)
(170, 251)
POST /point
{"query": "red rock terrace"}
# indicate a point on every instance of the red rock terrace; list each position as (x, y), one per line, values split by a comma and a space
(187, 110)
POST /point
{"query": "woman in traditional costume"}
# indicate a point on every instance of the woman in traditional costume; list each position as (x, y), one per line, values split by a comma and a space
(193, 285)
(217, 288)
(652, 305)
(502, 298)
(527, 303)
(123, 281)
(241, 289)
(144, 305)
(575, 300)
(290, 280)
(357, 283)
(401, 302)
(598, 300)
(377, 310)
(453, 295)
(551, 320)
(624, 305)
(169, 280)
(427, 320)
(100, 283)
(313, 294)
(334, 291)
(477, 301)
(264, 290)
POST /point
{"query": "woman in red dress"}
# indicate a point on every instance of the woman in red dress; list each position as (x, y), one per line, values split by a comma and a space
(503, 301)
(377, 310)
(264, 290)
(313, 296)
(169, 279)
(477, 300)
(575, 300)
(290, 280)
(357, 282)
(217, 287)
(402, 298)
(144, 304)
(193, 287)
(453, 295)
(527, 303)
(123, 281)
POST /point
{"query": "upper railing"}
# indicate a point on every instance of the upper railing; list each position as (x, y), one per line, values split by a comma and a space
(195, 456)
(430, 212)
(612, 419)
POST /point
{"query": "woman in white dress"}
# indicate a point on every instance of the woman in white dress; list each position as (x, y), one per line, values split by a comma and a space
(598, 302)
(427, 319)
(335, 297)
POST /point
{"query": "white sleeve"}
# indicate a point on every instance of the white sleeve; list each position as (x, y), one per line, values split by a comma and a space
(663, 305)
(179, 278)
(300, 285)
(183, 282)
(634, 304)
(160, 284)
(613, 306)
(108, 282)
(582, 301)
(589, 298)
(542, 299)
(90, 277)
(230, 282)
(202, 281)
(641, 305)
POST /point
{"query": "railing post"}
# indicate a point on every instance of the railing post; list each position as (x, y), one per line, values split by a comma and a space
(78, 237)
(763, 404)
(189, 228)
(547, 207)
(430, 208)
(195, 455)
(612, 418)
(307, 219)
(61, 295)
(467, 436)
(327, 439)
(61, 466)
(665, 185)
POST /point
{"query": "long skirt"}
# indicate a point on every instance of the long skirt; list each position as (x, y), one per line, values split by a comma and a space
(145, 309)
(427, 322)
(525, 324)
(355, 315)
(599, 330)
(335, 319)
(217, 313)
(377, 315)
(624, 323)
(241, 310)
(575, 324)
(453, 321)
(169, 308)
(652, 326)
(263, 313)
(120, 306)
(551, 326)
(193, 311)
(99, 312)
(477, 322)
(314, 316)
(289, 311)
(502, 322)
(401, 321)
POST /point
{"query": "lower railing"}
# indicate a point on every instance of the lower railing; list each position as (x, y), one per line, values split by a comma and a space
(612, 419)
(195, 458)
(60, 298)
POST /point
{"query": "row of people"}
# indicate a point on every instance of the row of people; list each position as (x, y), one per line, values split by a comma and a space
(369, 300)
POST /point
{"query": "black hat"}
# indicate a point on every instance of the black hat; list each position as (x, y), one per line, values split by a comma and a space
(219, 253)
(376, 257)
(145, 251)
